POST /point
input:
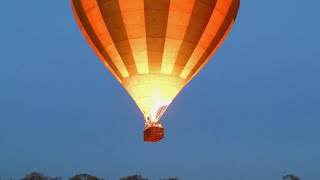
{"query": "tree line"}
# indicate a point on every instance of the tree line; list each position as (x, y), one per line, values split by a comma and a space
(82, 176)
(85, 176)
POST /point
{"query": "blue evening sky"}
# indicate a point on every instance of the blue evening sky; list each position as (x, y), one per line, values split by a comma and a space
(252, 113)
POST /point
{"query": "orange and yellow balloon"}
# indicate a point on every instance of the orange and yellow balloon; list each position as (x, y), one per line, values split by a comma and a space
(155, 47)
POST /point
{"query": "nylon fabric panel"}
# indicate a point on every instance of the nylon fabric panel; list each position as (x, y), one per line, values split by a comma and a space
(95, 18)
(93, 38)
(179, 17)
(218, 39)
(199, 19)
(212, 53)
(156, 18)
(216, 20)
(134, 22)
(111, 13)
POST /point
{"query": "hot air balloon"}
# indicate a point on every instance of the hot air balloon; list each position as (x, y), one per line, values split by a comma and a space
(154, 47)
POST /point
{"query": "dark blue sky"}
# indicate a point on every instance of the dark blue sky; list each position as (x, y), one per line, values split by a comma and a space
(252, 113)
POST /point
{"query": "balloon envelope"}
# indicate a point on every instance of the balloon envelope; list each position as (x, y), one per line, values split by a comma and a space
(155, 47)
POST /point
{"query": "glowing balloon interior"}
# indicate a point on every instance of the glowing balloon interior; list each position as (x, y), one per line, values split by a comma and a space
(155, 47)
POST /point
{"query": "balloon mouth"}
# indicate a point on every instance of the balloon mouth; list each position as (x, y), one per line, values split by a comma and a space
(157, 111)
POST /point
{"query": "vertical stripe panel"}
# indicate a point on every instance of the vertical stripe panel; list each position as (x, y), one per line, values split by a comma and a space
(95, 18)
(93, 39)
(190, 76)
(156, 19)
(218, 39)
(111, 13)
(179, 17)
(200, 17)
(210, 32)
(134, 22)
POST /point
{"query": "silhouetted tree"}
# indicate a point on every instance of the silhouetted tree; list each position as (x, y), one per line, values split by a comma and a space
(84, 176)
(35, 176)
(134, 177)
(290, 177)
(170, 179)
